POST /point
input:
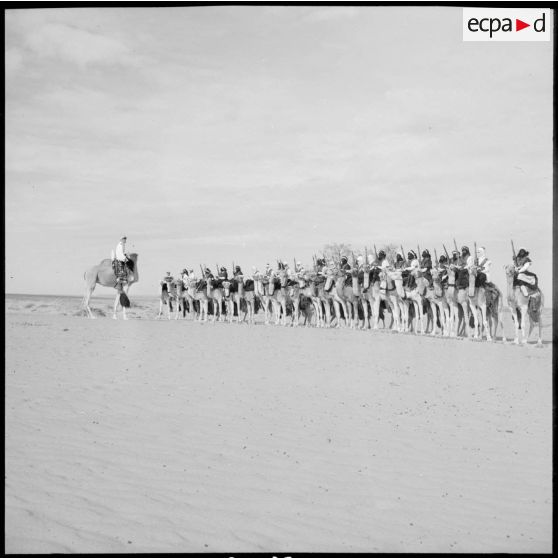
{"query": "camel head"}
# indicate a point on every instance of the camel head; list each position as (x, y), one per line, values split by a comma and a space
(510, 270)
(226, 288)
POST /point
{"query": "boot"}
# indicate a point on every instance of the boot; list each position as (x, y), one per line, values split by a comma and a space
(524, 290)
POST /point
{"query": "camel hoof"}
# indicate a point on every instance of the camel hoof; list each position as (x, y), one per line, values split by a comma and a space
(114, 318)
(539, 344)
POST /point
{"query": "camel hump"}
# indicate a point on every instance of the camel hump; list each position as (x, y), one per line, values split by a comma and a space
(106, 261)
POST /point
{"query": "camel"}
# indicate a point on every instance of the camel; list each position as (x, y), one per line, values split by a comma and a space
(168, 293)
(287, 295)
(261, 291)
(249, 297)
(326, 300)
(337, 296)
(521, 306)
(461, 297)
(438, 306)
(490, 314)
(379, 287)
(309, 289)
(192, 294)
(370, 292)
(234, 292)
(353, 296)
(438, 297)
(103, 274)
(477, 302)
(216, 295)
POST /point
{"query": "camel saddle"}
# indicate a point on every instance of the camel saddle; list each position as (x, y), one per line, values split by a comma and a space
(120, 269)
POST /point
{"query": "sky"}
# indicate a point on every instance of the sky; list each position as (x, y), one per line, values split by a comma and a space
(209, 135)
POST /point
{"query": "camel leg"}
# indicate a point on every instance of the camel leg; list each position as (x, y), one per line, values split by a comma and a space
(524, 326)
(317, 311)
(447, 320)
(114, 317)
(475, 313)
(394, 307)
(86, 299)
(539, 341)
(515, 324)
(485, 322)
(467, 318)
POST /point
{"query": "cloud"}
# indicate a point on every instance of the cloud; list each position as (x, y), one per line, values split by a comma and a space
(13, 60)
(333, 13)
(79, 46)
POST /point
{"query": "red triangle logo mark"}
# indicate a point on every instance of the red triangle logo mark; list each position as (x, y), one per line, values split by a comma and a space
(519, 25)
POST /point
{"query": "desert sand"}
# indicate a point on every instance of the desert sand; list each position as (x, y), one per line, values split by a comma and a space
(171, 436)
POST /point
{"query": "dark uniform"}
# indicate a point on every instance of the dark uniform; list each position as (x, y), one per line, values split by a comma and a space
(426, 266)
(529, 281)
(443, 268)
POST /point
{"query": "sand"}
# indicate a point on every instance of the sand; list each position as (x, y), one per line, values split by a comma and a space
(171, 436)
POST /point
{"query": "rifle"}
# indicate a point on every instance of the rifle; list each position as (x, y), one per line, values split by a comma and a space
(476, 260)
(352, 259)
(294, 262)
(513, 252)
(202, 273)
(418, 253)
(403, 253)
(455, 245)
(435, 256)
(375, 252)
(217, 268)
(365, 255)
(445, 250)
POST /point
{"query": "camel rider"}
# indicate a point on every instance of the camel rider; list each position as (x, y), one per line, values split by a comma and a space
(443, 269)
(527, 280)
(166, 282)
(464, 263)
(223, 274)
(454, 258)
(184, 276)
(119, 259)
(426, 266)
(483, 267)
(345, 265)
(237, 271)
(268, 271)
(465, 259)
(207, 275)
(399, 261)
(409, 272)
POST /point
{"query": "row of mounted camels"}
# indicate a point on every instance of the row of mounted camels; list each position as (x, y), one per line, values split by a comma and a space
(329, 300)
